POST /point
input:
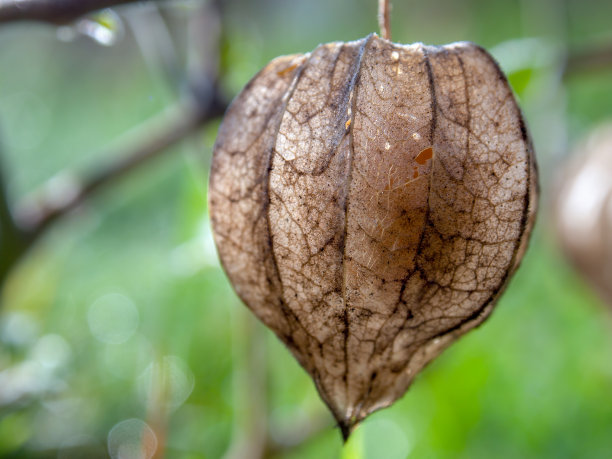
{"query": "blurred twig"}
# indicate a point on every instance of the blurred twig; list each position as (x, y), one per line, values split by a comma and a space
(205, 38)
(147, 141)
(32, 216)
(587, 60)
(52, 11)
(12, 238)
(156, 44)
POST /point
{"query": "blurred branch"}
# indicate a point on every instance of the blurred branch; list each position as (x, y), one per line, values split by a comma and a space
(205, 37)
(52, 11)
(156, 44)
(203, 101)
(12, 238)
(588, 60)
(146, 142)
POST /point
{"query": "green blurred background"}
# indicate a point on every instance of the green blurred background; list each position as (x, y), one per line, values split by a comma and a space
(128, 292)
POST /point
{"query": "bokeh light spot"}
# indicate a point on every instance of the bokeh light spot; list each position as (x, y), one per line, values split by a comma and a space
(113, 318)
(168, 382)
(385, 438)
(131, 439)
(51, 351)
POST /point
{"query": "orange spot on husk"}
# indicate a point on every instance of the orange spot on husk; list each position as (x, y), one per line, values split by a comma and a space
(287, 70)
(424, 156)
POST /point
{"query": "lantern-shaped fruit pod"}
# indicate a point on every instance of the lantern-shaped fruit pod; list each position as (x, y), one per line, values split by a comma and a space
(369, 202)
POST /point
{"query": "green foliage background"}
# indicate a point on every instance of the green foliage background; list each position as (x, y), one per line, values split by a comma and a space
(534, 381)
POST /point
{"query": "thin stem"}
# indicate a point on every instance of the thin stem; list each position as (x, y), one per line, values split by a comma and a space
(383, 19)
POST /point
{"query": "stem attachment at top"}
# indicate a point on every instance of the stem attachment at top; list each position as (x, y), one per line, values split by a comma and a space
(383, 19)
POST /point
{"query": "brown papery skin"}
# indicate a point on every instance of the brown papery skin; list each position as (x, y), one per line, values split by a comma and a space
(369, 202)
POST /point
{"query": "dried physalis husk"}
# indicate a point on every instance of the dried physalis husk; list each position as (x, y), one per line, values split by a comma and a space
(584, 210)
(369, 202)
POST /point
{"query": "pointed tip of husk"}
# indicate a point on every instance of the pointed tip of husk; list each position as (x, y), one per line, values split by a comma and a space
(346, 429)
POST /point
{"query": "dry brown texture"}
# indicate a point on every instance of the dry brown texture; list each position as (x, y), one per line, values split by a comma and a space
(369, 202)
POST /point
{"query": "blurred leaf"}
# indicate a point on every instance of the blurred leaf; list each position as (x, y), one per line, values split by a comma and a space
(15, 429)
(353, 448)
(520, 79)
